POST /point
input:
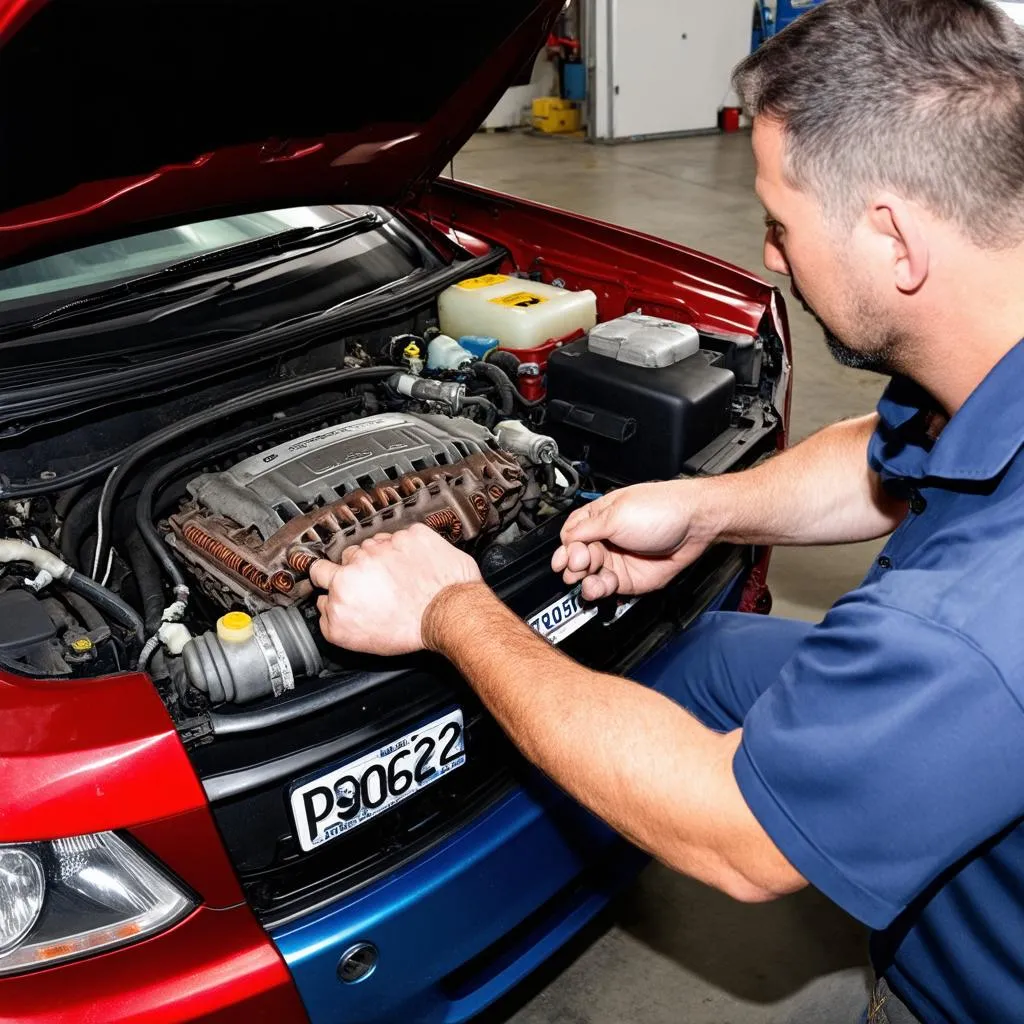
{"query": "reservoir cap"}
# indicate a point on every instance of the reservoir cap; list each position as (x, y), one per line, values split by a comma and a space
(234, 628)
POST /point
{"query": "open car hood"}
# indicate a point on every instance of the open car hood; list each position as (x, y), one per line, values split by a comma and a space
(118, 113)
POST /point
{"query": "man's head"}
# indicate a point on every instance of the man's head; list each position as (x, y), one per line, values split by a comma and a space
(889, 137)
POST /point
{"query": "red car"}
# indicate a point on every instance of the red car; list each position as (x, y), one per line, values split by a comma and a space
(229, 283)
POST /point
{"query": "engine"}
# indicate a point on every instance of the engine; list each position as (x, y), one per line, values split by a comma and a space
(186, 552)
(251, 533)
(237, 521)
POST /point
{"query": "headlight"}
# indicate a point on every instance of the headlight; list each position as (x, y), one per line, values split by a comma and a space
(74, 897)
(21, 895)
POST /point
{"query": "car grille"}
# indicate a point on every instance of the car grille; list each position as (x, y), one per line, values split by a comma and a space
(298, 882)
(250, 804)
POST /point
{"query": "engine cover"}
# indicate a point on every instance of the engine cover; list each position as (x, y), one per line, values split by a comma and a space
(253, 531)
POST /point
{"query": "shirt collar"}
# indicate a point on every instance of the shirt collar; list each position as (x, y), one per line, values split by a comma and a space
(980, 441)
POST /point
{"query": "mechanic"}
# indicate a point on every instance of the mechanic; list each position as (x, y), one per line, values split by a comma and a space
(880, 754)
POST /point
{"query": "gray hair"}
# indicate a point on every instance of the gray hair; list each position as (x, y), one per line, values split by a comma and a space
(922, 97)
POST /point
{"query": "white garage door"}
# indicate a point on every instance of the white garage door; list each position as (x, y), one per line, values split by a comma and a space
(1015, 9)
(672, 62)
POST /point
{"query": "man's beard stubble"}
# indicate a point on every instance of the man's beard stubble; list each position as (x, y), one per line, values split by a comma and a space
(879, 359)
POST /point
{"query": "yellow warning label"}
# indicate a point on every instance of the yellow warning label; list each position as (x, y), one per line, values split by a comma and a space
(521, 300)
(483, 282)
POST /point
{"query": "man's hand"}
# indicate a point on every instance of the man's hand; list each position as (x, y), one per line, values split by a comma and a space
(377, 597)
(632, 541)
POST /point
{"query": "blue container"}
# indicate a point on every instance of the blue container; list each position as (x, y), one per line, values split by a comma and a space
(478, 346)
(574, 82)
(768, 22)
(789, 10)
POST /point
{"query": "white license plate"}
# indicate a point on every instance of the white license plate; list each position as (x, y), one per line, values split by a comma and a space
(568, 614)
(345, 797)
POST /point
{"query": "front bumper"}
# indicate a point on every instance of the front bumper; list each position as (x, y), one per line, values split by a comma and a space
(460, 927)
(215, 966)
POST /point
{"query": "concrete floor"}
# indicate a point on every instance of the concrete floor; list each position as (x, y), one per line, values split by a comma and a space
(676, 951)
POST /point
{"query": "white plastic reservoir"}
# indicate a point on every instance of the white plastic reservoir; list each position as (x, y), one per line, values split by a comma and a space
(519, 313)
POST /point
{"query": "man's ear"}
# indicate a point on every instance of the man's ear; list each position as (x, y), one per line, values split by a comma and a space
(899, 229)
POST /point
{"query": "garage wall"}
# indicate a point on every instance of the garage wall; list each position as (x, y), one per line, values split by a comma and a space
(597, 22)
(669, 65)
(515, 107)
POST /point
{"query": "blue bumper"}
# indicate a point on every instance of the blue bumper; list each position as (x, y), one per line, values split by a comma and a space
(533, 858)
(461, 926)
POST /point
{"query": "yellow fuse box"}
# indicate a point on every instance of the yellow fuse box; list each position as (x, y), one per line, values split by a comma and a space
(553, 115)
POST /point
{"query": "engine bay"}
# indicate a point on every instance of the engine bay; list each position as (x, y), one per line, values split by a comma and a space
(186, 553)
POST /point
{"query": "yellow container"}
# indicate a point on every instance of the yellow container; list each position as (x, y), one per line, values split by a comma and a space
(545, 106)
(553, 115)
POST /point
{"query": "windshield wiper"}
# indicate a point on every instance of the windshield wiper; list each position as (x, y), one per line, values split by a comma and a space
(125, 296)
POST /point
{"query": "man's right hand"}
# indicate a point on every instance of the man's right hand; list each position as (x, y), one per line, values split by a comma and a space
(632, 541)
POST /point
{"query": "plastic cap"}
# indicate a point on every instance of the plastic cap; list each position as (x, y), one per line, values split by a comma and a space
(412, 351)
(234, 628)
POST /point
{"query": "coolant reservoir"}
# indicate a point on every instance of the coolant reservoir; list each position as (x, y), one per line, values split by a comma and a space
(519, 313)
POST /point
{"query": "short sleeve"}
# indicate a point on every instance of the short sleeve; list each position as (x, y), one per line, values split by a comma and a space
(889, 748)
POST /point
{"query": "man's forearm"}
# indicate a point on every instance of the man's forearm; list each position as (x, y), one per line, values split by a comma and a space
(822, 491)
(630, 755)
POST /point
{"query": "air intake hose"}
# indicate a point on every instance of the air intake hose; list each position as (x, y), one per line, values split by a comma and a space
(251, 657)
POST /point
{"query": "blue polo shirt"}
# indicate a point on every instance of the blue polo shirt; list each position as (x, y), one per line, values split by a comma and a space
(887, 762)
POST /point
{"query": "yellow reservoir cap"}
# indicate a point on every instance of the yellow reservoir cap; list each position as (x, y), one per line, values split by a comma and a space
(235, 628)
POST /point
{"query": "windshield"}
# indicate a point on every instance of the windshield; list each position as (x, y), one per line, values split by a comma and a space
(97, 266)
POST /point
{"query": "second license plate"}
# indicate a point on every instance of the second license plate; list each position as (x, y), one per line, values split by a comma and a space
(565, 616)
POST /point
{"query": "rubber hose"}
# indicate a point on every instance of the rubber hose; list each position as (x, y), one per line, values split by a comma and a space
(147, 578)
(527, 403)
(233, 724)
(489, 408)
(149, 648)
(86, 611)
(78, 523)
(509, 365)
(570, 474)
(499, 378)
(505, 361)
(107, 601)
(134, 455)
(151, 535)
(13, 550)
(68, 498)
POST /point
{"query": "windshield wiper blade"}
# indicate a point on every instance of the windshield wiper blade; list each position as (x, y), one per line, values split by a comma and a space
(160, 282)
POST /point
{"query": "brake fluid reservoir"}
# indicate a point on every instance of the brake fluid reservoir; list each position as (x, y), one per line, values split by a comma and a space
(519, 313)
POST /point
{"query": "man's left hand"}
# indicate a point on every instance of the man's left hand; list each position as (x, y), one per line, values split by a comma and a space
(377, 597)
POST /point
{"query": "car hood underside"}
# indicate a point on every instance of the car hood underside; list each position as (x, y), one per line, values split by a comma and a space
(119, 113)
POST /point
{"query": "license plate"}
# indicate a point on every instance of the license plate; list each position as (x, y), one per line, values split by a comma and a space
(568, 614)
(347, 796)
(562, 617)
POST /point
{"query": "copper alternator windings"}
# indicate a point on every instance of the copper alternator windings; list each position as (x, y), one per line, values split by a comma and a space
(463, 502)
